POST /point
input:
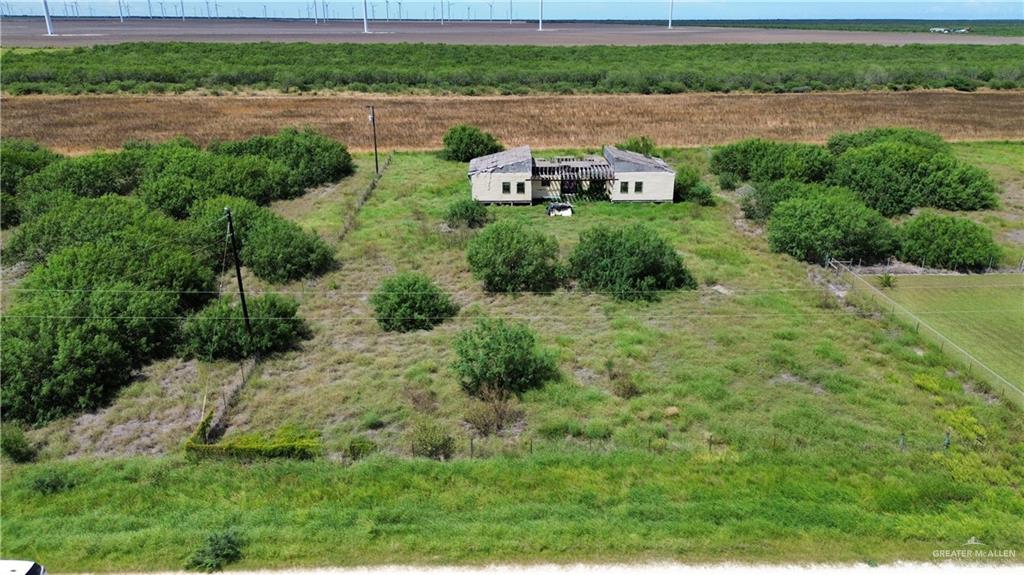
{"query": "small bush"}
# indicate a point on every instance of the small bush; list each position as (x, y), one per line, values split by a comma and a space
(948, 242)
(508, 257)
(52, 481)
(887, 281)
(462, 143)
(490, 415)
(467, 213)
(841, 142)
(313, 158)
(639, 144)
(360, 447)
(221, 548)
(284, 443)
(702, 194)
(410, 301)
(631, 263)
(728, 181)
(686, 178)
(218, 330)
(15, 445)
(820, 226)
(429, 439)
(496, 357)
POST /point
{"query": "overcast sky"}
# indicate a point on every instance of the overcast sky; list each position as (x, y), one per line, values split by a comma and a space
(553, 9)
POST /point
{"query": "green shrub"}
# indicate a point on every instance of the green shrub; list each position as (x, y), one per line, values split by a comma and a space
(728, 181)
(686, 178)
(429, 439)
(894, 177)
(508, 257)
(280, 251)
(841, 142)
(218, 330)
(701, 194)
(738, 158)
(839, 226)
(207, 225)
(949, 242)
(314, 158)
(286, 442)
(78, 221)
(954, 185)
(52, 481)
(499, 357)
(15, 445)
(93, 175)
(761, 200)
(18, 160)
(221, 548)
(462, 143)
(631, 263)
(639, 144)
(360, 447)
(410, 301)
(466, 213)
(807, 163)
(887, 176)
(762, 160)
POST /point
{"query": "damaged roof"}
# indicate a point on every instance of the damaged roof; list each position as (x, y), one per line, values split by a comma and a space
(626, 161)
(515, 160)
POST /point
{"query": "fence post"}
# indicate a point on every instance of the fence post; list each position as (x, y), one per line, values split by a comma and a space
(471, 447)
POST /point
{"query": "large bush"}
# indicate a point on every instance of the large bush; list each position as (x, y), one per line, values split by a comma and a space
(79, 221)
(686, 178)
(410, 301)
(894, 177)
(18, 160)
(760, 201)
(508, 256)
(631, 263)
(762, 160)
(314, 158)
(218, 330)
(275, 249)
(462, 143)
(839, 226)
(497, 357)
(93, 175)
(842, 141)
(66, 352)
(949, 242)
(466, 213)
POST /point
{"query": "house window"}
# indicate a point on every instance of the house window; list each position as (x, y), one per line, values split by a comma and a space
(506, 188)
(520, 187)
(638, 187)
(623, 187)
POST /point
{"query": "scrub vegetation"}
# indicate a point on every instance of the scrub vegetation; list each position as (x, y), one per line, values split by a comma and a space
(477, 69)
(757, 410)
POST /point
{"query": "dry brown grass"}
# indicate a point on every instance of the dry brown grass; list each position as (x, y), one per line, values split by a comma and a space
(82, 123)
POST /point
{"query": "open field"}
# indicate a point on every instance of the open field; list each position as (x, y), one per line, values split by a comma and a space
(996, 338)
(88, 32)
(84, 123)
(475, 70)
(768, 419)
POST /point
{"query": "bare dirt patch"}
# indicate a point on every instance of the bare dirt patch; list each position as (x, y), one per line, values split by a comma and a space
(77, 124)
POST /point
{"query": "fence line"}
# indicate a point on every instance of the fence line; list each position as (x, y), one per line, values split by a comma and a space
(364, 196)
(898, 311)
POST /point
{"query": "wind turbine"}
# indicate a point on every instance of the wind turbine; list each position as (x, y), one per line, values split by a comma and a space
(46, 14)
(366, 25)
(491, 5)
(182, 4)
(120, 12)
(150, 4)
(509, 11)
(387, 11)
(540, 20)
(671, 8)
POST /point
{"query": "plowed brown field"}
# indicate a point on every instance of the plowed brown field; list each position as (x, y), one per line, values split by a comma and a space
(82, 123)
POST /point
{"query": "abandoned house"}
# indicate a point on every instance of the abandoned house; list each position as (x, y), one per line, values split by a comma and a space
(515, 177)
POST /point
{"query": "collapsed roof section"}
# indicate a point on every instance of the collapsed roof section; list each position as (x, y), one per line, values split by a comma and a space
(566, 168)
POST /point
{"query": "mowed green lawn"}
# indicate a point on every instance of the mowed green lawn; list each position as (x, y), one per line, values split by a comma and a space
(983, 314)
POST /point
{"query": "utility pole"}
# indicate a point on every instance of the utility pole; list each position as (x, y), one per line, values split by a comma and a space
(238, 271)
(373, 122)
(46, 13)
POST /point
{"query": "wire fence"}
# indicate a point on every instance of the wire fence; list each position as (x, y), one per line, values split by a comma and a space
(1003, 387)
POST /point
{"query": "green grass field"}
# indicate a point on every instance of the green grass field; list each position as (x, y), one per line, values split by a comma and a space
(982, 314)
(767, 427)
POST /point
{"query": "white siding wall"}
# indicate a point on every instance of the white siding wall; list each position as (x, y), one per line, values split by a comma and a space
(657, 187)
(487, 187)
